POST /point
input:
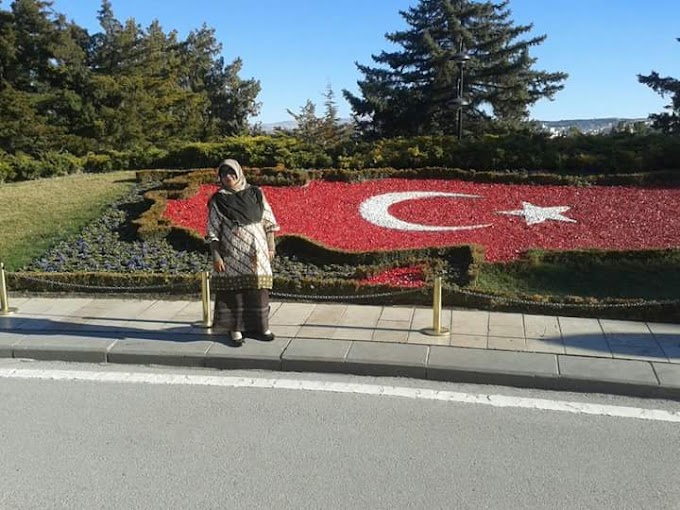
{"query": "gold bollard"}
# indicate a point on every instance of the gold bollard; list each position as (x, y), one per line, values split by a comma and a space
(436, 329)
(4, 300)
(205, 298)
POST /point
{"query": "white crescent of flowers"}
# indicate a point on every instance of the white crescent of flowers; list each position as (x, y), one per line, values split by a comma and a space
(375, 210)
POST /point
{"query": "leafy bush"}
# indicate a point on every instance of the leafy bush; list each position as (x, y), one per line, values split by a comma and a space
(145, 158)
(25, 167)
(60, 163)
(97, 163)
(516, 157)
(6, 169)
(259, 151)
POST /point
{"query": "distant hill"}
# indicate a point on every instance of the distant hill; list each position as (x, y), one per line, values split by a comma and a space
(588, 125)
(290, 124)
(583, 125)
(286, 124)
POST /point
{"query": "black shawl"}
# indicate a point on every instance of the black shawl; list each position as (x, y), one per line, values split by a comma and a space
(242, 207)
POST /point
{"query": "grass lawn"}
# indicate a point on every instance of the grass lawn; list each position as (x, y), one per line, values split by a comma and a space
(36, 214)
(649, 279)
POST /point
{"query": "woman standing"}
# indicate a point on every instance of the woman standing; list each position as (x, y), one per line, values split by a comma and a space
(241, 228)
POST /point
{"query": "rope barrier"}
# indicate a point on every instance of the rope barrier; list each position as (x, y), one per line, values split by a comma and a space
(167, 286)
(568, 305)
(331, 297)
(323, 297)
(186, 284)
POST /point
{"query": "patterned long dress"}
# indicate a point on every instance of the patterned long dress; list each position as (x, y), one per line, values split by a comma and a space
(242, 297)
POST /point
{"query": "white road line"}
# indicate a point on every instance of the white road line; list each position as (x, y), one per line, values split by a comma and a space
(338, 387)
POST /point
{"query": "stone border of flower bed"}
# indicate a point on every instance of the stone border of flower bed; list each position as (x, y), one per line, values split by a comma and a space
(313, 289)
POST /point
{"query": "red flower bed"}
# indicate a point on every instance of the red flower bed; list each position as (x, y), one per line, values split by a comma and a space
(506, 219)
(411, 277)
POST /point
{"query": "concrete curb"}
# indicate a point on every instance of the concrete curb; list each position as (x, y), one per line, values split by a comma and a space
(453, 364)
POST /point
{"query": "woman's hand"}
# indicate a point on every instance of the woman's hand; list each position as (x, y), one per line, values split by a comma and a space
(218, 265)
(271, 255)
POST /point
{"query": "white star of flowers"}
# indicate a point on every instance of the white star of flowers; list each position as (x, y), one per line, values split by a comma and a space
(534, 214)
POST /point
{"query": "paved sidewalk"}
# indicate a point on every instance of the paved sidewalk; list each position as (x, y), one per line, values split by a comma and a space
(566, 353)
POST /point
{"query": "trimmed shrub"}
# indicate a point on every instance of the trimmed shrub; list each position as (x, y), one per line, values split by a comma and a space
(125, 282)
(97, 163)
(26, 168)
(6, 169)
(60, 163)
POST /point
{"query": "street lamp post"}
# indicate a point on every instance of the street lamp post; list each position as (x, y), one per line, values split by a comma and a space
(460, 58)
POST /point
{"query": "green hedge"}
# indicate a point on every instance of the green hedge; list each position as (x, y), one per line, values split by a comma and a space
(108, 283)
(22, 167)
(583, 154)
(623, 309)
(586, 276)
(574, 157)
(256, 151)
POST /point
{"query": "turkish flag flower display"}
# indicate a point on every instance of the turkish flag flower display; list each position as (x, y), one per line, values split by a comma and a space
(506, 219)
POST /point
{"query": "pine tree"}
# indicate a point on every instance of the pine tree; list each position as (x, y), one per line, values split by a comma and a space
(42, 68)
(332, 132)
(233, 100)
(230, 99)
(413, 91)
(324, 130)
(141, 85)
(308, 125)
(667, 122)
(35, 39)
(122, 88)
(7, 46)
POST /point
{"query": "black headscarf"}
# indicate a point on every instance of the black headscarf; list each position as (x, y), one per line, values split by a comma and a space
(244, 204)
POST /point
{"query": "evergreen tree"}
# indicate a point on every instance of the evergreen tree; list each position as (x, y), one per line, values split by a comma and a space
(233, 100)
(141, 88)
(170, 110)
(198, 54)
(70, 80)
(7, 46)
(332, 132)
(667, 122)
(413, 91)
(230, 100)
(22, 126)
(322, 130)
(35, 39)
(308, 125)
(117, 89)
(122, 88)
(42, 67)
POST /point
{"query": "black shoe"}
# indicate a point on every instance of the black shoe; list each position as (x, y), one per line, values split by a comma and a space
(263, 337)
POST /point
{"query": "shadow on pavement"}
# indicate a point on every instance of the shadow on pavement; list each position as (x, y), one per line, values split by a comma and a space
(620, 345)
(184, 332)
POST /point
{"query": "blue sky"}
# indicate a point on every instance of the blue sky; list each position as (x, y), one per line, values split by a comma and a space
(295, 48)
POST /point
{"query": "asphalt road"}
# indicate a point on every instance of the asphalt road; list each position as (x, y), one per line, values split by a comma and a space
(164, 443)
